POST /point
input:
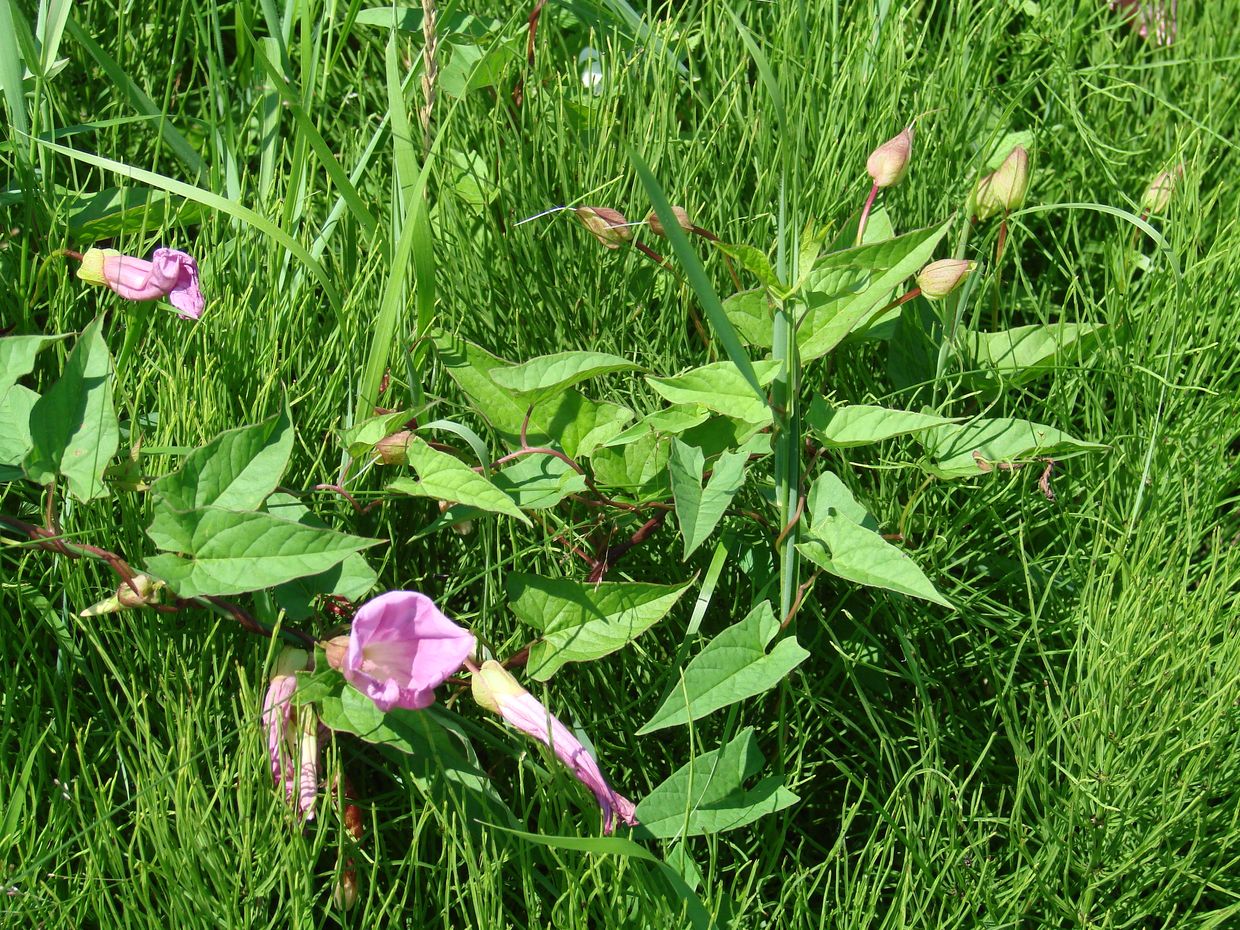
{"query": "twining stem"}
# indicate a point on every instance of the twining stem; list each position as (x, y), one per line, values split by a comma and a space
(865, 213)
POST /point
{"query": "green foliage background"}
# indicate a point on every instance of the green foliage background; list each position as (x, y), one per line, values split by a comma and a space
(1060, 751)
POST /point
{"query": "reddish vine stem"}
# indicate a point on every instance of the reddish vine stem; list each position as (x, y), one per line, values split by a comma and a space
(358, 508)
(616, 552)
(796, 602)
(796, 518)
(518, 92)
(45, 539)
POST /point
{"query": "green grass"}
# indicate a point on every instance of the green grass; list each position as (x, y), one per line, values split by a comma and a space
(1060, 751)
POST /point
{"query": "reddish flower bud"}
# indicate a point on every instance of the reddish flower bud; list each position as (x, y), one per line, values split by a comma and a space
(608, 226)
(888, 163)
(393, 450)
(682, 220)
(938, 279)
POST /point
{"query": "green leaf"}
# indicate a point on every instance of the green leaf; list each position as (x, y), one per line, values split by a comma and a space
(637, 467)
(442, 476)
(965, 450)
(353, 578)
(225, 552)
(440, 758)
(583, 622)
(234, 471)
(670, 421)
(754, 261)
(708, 795)
(536, 482)
(115, 212)
(1015, 356)
(539, 378)
(752, 315)
(17, 357)
(859, 424)
(475, 66)
(844, 288)
(829, 496)
(855, 553)
(698, 510)
(16, 406)
(732, 667)
(577, 424)
(719, 386)
(73, 428)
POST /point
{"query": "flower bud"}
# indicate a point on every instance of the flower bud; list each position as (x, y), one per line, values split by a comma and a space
(1158, 195)
(460, 527)
(682, 220)
(126, 598)
(344, 895)
(608, 226)
(336, 649)
(1005, 189)
(888, 163)
(394, 449)
(938, 279)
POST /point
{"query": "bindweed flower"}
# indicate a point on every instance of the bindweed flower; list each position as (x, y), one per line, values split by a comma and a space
(608, 226)
(400, 649)
(682, 220)
(1005, 189)
(888, 163)
(169, 274)
(292, 734)
(1162, 17)
(1158, 195)
(495, 689)
(938, 279)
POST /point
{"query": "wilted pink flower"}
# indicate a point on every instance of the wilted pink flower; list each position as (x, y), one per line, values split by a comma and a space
(1162, 17)
(292, 733)
(401, 648)
(495, 689)
(169, 273)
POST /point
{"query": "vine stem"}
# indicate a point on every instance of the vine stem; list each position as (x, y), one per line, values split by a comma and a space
(865, 213)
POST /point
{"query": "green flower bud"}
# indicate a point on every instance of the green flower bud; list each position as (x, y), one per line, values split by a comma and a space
(1158, 195)
(1005, 190)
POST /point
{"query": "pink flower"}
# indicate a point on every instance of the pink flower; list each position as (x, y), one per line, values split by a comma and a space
(401, 648)
(169, 274)
(292, 732)
(496, 690)
(1163, 17)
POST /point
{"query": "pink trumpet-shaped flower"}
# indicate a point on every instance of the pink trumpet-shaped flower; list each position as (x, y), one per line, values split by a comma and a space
(495, 689)
(169, 273)
(292, 734)
(401, 648)
(1162, 17)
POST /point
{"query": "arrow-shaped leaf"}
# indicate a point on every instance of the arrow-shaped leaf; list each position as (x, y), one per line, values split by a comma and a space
(582, 622)
(698, 510)
(708, 795)
(733, 666)
(226, 552)
(234, 471)
(444, 477)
